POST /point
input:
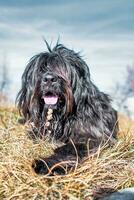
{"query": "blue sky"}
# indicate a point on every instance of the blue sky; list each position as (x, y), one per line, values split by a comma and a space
(103, 30)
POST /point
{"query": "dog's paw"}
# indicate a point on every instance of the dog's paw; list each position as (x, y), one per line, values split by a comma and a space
(45, 168)
(40, 167)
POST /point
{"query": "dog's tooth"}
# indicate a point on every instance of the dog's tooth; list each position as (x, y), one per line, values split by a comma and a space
(50, 111)
(47, 124)
(49, 131)
(49, 117)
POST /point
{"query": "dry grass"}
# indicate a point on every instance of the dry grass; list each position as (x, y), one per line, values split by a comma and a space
(109, 169)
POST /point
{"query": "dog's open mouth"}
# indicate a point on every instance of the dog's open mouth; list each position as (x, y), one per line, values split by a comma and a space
(50, 98)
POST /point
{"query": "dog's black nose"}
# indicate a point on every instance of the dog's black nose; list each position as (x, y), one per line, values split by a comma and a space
(50, 78)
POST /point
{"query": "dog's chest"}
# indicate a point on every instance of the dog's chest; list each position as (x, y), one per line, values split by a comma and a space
(53, 126)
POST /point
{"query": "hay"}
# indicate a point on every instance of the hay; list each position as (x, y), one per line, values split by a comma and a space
(108, 170)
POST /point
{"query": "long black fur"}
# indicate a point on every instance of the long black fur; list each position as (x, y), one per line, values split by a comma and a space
(82, 113)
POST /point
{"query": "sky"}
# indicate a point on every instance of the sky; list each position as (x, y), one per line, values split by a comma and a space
(102, 30)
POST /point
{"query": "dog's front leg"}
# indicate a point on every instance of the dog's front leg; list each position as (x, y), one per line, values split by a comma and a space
(64, 159)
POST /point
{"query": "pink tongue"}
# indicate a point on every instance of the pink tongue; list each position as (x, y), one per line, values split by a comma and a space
(50, 100)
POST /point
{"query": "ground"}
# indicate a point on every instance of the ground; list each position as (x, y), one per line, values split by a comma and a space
(108, 170)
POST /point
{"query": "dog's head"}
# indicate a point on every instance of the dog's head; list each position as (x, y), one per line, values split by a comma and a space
(55, 79)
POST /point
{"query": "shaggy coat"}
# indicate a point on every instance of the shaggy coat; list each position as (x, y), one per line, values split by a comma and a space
(59, 80)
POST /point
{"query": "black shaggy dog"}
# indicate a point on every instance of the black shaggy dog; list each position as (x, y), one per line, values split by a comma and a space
(60, 101)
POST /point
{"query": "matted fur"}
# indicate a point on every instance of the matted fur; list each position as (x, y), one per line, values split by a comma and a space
(82, 112)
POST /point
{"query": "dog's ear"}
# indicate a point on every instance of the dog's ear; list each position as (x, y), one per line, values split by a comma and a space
(95, 106)
(29, 84)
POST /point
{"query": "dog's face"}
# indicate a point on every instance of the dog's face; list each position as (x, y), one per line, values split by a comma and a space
(60, 81)
(55, 87)
(55, 79)
(52, 89)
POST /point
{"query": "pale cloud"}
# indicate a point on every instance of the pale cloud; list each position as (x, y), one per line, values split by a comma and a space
(97, 28)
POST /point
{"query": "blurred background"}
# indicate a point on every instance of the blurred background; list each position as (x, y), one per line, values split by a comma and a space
(103, 31)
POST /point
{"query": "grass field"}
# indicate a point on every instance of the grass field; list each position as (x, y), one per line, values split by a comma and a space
(108, 170)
